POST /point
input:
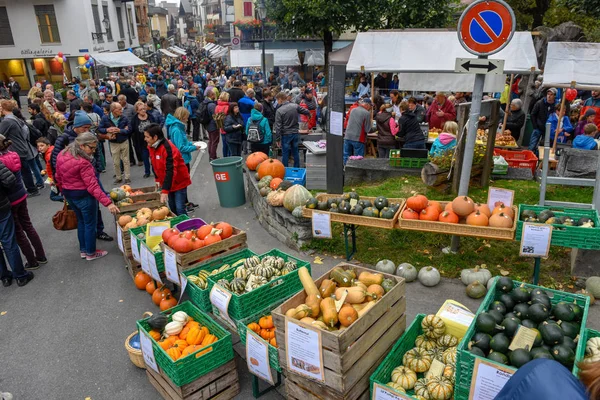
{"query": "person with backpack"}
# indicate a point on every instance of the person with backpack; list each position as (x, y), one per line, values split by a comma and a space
(192, 104)
(205, 117)
(258, 131)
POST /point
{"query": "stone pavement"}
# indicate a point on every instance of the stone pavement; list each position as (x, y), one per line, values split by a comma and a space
(62, 336)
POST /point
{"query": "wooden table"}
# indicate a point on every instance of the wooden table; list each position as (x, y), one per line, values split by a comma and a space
(553, 162)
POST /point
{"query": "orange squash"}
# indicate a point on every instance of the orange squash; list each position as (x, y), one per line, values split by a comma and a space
(141, 280)
(271, 167)
(254, 160)
(417, 202)
(409, 213)
(186, 329)
(195, 336)
(159, 294)
(501, 220)
(483, 208)
(448, 217)
(253, 326)
(168, 342)
(181, 344)
(209, 339)
(150, 287)
(154, 334)
(448, 207)
(266, 322)
(267, 334)
(203, 231)
(213, 237)
(477, 219)
(273, 342)
(167, 302)
(463, 206)
(436, 204)
(190, 349)
(501, 208)
(225, 228)
(430, 213)
(174, 353)
(275, 182)
(347, 315)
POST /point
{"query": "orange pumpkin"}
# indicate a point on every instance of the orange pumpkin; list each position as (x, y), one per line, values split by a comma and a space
(141, 280)
(195, 336)
(186, 329)
(209, 339)
(483, 208)
(254, 159)
(203, 231)
(501, 208)
(437, 204)
(417, 202)
(430, 213)
(448, 217)
(266, 322)
(477, 219)
(213, 237)
(168, 342)
(254, 327)
(168, 302)
(271, 167)
(409, 213)
(150, 287)
(160, 294)
(267, 334)
(275, 182)
(273, 342)
(154, 334)
(181, 344)
(190, 349)
(174, 353)
(196, 243)
(182, 245)
(448, 207)
(463, 206)
(501, 220)
(225, 228)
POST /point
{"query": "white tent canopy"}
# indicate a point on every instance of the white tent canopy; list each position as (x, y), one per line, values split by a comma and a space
(425, 59)
(568, 62)
(314, 57)
(252, 58)
(177, 50)
(117, 59)
(168, 53)
(215, 50)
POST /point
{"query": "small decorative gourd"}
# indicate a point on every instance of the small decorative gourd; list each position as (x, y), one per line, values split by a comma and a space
(425, 342)
(173, 328)
(447, 341)
(405, 377)
(436, 353)
(417, 359)
(397, 387)
(421, 388)
(439, 388)
(238, 285)
(433, 326)
(449, 356)
(180, 316)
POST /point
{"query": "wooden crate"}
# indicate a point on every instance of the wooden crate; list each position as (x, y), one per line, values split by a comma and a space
(348, 354)
(133, 267)
(186, 261)
(221, 383)
(126, 236)
(132, 208)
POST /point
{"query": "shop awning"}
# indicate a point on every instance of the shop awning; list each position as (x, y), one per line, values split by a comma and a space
(215, 50)
(314, 57)
(568, 62)
(168, 53)
(117, 59)
(178, 50)
(252, 58)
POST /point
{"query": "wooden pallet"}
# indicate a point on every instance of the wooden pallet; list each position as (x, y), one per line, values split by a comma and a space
(351, 352)
(219, 384)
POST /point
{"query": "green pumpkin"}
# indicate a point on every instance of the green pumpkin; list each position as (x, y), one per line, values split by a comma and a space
(371, 212)
(334, 208)
(365, 203)
(353, 195)
(525, 214)
(238, 285)
(395, 207)
(256, 176)
(297, 212)
(344, 207)
(265, 181)
(322, 205)
(285, 185)
(264, 191)
(312, 203)
(381, 202)
(356, 210)
(545, 215)
(387, 213)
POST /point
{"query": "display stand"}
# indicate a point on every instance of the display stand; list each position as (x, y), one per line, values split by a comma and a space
(255, 389)
(352, 230)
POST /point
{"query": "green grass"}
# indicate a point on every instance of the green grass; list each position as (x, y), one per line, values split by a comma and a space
(422, 249)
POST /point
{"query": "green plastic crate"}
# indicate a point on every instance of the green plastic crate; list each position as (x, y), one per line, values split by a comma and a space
(188, 369)
(158, 255)
(465, 360)
(200, 297)
(242, 327)
(587, 335)
(405, 162)
(568, 236)
(383, 373)
(247, 304)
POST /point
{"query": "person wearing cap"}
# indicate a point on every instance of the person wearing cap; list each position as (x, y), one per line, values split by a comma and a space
(440, 111)
(359, 124)
(542, 109)
(593, 103)
(586, 118)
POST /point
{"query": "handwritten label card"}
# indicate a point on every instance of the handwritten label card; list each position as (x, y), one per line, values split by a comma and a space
(148, 352)
(183, 280)
(304, 351)
(321, 225)
(120, 240)
(535, 241)
(220, 298)
(497, 195)
(524, 339)
(488, 380)
(257, 357)
(135, 250)
(171, 266)
(387, 393)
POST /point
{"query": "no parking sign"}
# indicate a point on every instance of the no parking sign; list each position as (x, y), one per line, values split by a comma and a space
(486, 27)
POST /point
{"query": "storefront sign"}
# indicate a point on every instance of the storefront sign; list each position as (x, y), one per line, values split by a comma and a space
(38, 53)
(304, 351)
(257, 357)
(488, 380)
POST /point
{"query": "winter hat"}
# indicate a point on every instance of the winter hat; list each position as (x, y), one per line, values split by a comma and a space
(588, 112)
(81, 119)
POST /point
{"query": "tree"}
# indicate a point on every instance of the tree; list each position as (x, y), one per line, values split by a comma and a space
(402, 14)
(530, 13)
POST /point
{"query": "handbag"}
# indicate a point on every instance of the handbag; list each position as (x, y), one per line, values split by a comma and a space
(65, 219)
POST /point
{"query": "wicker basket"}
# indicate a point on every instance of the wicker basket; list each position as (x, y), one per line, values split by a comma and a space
(135, 355)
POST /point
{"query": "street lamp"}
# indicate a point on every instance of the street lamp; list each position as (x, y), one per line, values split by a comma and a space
(106, 25)
(262, 15)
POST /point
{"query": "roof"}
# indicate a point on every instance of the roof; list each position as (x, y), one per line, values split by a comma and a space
(157, 10)
(568, 62)
(252, 58)
(185, 7)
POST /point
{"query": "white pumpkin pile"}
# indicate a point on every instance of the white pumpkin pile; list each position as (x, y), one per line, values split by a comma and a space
(428, 276)
(476, 279)
(592, 350)
(255, 272)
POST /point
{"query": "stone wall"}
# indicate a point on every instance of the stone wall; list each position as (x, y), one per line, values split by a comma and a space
(278, 221)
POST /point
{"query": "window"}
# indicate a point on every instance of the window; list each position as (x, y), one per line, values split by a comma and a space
(46, 19)
(109, 35)
(6, 37)
(120, 22)
(248, 9)
(131, 23)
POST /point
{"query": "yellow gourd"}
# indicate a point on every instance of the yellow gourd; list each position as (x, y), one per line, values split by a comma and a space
(327, 288)
(369, 278)
(299, 312)
(356, 295)
(330, 315)
(307, 282)
(308, 320)
(313, 302)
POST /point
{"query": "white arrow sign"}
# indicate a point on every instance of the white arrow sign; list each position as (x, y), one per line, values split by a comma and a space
(479, 66)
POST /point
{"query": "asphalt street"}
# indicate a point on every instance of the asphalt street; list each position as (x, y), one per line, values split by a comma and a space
(62, 336)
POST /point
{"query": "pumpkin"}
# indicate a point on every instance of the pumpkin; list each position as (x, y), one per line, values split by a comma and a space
(439, 388)
(158, 322)
(470, 275)
(154, 334)
(347, 315)
(477, 219)
(433, 326)
(203, 231)
(266, 322)
(265, 181)
(174, 353)
(409, 213)
(386, 266)
(271, 167)
(168, 233)
(592, 286)
(425, 342)
(196, 335)
(429, 276)
(405, 377)
(273, 342)
(436, 353)
(275, 183)
(173, 328)
(253, 326)
(254, 159)
(395, 386)
(463, 206)
(267, 334)
(476, 290)
(297, 212)
(285, 185)
(141, 280)
(275, 199)
(213, 237)
(264, 191)
(417, 202)
(484, 209)
(124, 220)
(449, 372)
(500, 220)
(150, 287)
(501, 208)
(447, 340)
(436, 204)
(449, 217)
(182, 245)
(167, 302)
(225, 228)
(295, 196)
(592, 347)
(449, 356)
(407, 271)
(186, 329)
(160, 294)
(417, 359)
(430, 213)
(421, 388)
(190, 350)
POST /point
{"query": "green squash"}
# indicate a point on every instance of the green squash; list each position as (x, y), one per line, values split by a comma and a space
(545, 215)
(158, 322)
(528, 214)
(322, 205)
(500, 343)
(297, 212)
(519, 357)
(395, 207)
(296, 196)
(265, 181)
(365, 203)
(481, 340)
(334, 208)
(505, 284)
(332, 201)
(540, 352)
(585, 222)
(510, 326)
(563, 312)
(344, 207)
(552, 334)
(477, 351)
(538, 312)
(527, 323)
(498, 357)
(569, 342)
(521, 310)
(353, 196)
(538, 341)
(264, 191)
(356, 210)
(569, 329)
(498, 317)
(312, 203)
(387, 213)
(371, 212)
(476, 290)
(578, 311)
(387, 284)
(508, 301)
(521, 294)
(498, 306)
(381, 202)
(485, 323)
(542, 299)
(563, 354)
(285, 185)
(592, 286)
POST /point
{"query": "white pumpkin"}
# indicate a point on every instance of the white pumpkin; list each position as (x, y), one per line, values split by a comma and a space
(407, 271)
(386, 266)
(470, 275)
(592, 347)
(429, 276)
(181, 316)
(592, 285)
(173, 328)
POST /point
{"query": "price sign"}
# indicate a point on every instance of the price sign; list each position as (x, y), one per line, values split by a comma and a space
(488, 380)
(220, 298)
(120, 240)
(148, 352)
(149, 263)
(304, 351)
(134, 249)
(183, 280)
(524, 339)
(535, 240)
(257, 357)
(171, 266)
(497, 196)
(321, 225)
(387, 393)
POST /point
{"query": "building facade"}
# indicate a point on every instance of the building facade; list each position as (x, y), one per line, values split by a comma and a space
(142, 22)
(33, 32)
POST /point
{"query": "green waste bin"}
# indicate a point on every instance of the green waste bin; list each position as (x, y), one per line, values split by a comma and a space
(229, 178)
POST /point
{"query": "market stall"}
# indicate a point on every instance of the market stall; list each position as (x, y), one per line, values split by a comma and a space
(252, 58)
(169, 54)
(117, 59)
(314, 57)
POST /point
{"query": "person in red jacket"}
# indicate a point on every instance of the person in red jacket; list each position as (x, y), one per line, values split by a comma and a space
(169, 168)
(440, 111)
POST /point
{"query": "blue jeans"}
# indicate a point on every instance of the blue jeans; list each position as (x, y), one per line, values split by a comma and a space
(414, 145)
(225, 147)
(290, 143)
(535, 140)
(9, 244)
(36, 171)
(27, 176)
(177, 201)
(86, 209)
(146, 159)
(353, 148)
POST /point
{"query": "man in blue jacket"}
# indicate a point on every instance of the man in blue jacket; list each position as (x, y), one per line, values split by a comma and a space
(115, 125)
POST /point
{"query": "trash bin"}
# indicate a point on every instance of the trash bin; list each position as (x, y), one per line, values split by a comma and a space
(229, 179)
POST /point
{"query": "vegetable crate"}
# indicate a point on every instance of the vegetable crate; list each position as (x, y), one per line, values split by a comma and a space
(133, 267)
(245, 305)
(519, 159)
(568, 236)
(132, 208)
(200, 297)
(149, 193)
(186, 261)
(587, 335)
(124, 235)
(465, 360)
(221, 383)
(352, 355)
(500, 166)
(295, 175)
(158, 255)
(487, 232)
(187, 369)
(242, 328)
(406, 162)
(357, 219)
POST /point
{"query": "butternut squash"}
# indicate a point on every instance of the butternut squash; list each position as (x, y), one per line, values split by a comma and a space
(347, 315)
(359, 307)
(307, 282)
(341, 277)
(307, 320)
(330, 315)
(291, 313)
(369, 278)
(320, 324)
(299, 312)
(327, 288)
(356, 295)
(376, 291)
(314, 303)
(366, 308)
(360, 285)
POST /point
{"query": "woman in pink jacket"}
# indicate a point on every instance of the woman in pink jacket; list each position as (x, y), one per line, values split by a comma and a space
(76, 178)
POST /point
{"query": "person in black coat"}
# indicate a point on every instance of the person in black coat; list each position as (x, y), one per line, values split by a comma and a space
(410, 131)
(139, 124)
(236, 92)
(234, 130)
(515, 119)
(169, 102)
(38, 119)
(130, 93)
(268, 108)
(539, 115)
